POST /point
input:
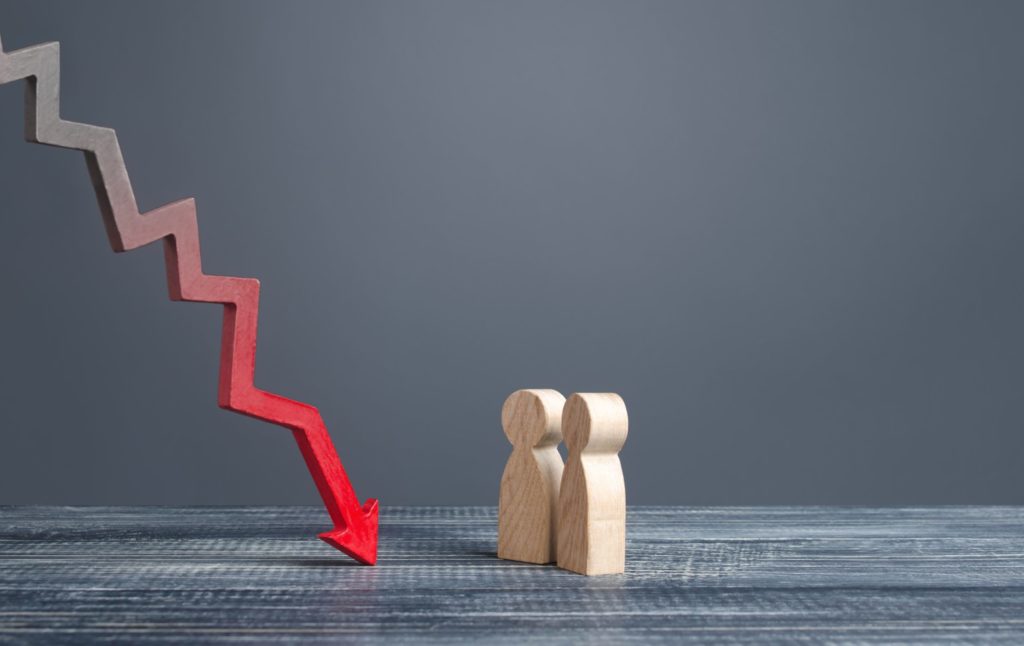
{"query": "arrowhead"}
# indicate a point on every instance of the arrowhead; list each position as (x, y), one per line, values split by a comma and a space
(359, 539)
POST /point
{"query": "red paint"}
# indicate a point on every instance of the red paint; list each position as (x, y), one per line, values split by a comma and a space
(355, 525)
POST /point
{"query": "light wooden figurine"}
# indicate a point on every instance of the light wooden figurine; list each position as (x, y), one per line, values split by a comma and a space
(592, 502)
(528, 502)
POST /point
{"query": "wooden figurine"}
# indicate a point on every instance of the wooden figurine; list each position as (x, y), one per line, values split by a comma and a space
(592, 502)
(528, 502)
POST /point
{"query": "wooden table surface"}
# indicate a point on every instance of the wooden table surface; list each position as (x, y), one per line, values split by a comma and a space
(722, 575)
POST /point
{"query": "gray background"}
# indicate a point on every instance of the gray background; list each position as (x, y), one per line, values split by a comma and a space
(788, 233)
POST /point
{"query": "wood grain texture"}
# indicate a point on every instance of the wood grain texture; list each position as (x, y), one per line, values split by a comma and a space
(592, 502)
(710, 575)
(528, 497)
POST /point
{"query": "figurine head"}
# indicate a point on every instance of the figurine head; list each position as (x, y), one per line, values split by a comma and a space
(533, 418)
(595, 423)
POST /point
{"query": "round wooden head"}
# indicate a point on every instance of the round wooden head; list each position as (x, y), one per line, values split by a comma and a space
(533, 417)
(595, 423)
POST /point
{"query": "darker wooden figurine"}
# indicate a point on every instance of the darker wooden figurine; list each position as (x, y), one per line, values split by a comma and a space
(528, 503)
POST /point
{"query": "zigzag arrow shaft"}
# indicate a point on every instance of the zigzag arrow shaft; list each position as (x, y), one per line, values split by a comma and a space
(355, 531)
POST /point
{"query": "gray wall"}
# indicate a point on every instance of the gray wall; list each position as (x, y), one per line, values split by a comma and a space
(788, 233)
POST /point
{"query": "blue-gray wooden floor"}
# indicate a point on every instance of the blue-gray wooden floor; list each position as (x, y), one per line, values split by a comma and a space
(722, 575)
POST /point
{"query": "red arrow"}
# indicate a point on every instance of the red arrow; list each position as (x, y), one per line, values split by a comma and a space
(355, 525)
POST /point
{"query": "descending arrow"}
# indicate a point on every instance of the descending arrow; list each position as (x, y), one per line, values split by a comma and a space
(355, 525)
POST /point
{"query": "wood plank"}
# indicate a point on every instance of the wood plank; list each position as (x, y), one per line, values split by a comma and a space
(724, 575)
